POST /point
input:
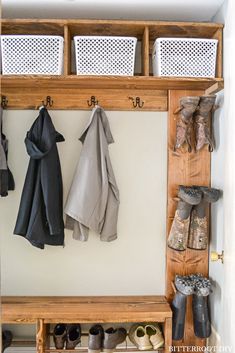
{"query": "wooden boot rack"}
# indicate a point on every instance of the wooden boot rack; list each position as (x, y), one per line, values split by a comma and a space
(139, 92)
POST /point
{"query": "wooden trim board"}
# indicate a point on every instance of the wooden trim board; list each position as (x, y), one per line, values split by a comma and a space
(186, 169)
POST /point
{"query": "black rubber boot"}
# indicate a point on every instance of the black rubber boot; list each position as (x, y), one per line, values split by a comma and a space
(184, 288)
(178, 307)
(201, 317)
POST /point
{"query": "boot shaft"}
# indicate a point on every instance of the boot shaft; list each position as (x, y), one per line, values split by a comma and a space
(184, 124)
(202, 122)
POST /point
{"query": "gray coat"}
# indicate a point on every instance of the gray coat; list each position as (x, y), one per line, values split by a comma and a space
(93, 199)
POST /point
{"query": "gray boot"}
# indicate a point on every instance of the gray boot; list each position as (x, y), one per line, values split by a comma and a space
(198, 234)
(185, 287)
(73, 336)
(59, 335)
(113, 337)
(179, 232)
(95, 339)
(188, 106)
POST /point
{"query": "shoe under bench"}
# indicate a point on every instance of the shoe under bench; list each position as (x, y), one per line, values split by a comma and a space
(45, 310)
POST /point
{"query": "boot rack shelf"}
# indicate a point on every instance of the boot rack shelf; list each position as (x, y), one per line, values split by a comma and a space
(44, 311)
(113, 92)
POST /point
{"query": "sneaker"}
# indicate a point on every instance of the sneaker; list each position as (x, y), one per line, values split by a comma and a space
(139, 337)
(155, 335)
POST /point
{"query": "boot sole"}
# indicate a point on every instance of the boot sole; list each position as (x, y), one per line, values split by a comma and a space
(144, 348)
(159, 345)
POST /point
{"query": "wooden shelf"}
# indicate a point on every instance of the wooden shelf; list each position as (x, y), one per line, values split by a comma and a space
(109, 82)
(112, 92)
(110, 27)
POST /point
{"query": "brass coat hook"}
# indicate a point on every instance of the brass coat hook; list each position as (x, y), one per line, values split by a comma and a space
(137, 103)
(92, 102)
(4, 102)
(49, 102)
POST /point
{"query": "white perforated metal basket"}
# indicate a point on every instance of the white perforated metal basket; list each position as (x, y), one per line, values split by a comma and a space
(99, 55)
(33, 55)
(187, 57)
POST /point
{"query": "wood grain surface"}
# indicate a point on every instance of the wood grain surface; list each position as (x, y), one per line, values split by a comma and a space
(85, 309)
(184, 169)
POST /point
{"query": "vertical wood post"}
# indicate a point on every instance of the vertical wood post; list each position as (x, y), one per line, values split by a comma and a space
(168, 334)
(67, 50)
(145, 52)
(186, 169)
(219, 57)
(41, 336)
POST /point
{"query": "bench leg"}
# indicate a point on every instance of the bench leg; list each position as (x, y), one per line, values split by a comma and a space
(41, 336)
(168, 334)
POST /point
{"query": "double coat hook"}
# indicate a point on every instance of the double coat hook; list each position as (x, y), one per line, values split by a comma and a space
(92, 102)
(49, 102)
(137, 103)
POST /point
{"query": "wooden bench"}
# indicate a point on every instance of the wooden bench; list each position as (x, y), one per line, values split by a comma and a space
(44, 311)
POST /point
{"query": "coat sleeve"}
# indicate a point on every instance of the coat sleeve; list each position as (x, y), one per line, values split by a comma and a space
(52, 191)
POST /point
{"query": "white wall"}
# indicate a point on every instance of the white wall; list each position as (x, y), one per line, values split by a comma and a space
(223, 175)
(135, 262)
(174, 10)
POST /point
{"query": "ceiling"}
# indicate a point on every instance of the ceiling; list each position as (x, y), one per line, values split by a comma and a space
(181, 10)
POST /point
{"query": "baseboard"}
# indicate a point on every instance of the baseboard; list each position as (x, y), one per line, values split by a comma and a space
(214, 340)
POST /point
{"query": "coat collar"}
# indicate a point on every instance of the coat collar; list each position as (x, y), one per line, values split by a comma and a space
(98, 113)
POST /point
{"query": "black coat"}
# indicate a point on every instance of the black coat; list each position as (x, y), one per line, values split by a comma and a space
(40, 216)
(6, 177)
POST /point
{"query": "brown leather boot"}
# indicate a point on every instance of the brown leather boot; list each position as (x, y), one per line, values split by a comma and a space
(198, 233)
(202, 122)
(188, 106)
